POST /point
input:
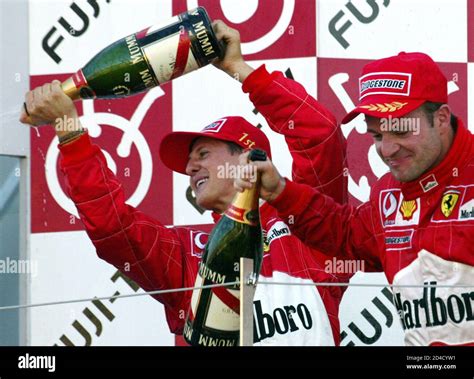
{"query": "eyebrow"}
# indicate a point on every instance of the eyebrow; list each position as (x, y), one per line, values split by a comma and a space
(372, 131)
(197, 150)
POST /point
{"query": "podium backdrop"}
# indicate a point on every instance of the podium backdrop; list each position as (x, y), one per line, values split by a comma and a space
(322, 44)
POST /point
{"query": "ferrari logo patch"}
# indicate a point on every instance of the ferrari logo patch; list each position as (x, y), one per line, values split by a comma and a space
(448, 202)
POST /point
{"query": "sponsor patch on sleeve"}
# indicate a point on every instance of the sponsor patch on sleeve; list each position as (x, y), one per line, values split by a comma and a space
(399, 239)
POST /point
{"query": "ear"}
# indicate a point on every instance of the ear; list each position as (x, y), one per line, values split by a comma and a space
(443, 118)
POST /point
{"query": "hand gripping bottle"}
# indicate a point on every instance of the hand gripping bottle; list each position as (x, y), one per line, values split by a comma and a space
(148, 58)
(213, 318)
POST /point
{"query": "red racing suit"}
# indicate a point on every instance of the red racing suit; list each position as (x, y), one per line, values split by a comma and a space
(418, 233)
(157, 257)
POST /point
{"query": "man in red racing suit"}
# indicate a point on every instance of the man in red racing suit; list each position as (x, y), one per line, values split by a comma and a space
(157, 257)
(418, 226)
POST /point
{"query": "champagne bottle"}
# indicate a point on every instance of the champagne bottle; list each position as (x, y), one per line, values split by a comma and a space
(148, 58)
(213, 318)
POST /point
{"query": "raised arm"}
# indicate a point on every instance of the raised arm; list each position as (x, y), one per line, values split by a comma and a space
(316, 219)
(138, 245)
(314, 139)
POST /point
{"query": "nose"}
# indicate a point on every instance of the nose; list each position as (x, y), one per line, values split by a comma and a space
(388, 146)
(192, 167)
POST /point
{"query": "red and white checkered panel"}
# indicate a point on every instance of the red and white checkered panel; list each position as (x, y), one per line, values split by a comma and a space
(128, 131)
(349, 35)
(326, 56)
(267, 28)
(375, 29)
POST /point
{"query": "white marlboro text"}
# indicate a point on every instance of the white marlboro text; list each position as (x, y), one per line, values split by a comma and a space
(431, 310)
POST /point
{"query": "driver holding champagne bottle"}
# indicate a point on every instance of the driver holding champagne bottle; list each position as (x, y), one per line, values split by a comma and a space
(157, 257)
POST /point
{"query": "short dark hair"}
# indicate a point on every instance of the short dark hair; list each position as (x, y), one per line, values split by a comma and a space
(429, 108)
(231, 146)
(234, 148)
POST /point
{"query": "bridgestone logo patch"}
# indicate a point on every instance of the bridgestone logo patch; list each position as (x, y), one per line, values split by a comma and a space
(396, 240)
(385, 83)
(388, 83)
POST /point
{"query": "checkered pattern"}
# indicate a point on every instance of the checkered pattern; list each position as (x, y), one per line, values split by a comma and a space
(326, 56)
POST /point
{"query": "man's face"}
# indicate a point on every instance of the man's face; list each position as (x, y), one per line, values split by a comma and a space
(207, 159)
(409, 145)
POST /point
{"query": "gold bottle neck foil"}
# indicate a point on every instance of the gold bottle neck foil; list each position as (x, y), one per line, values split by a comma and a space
(244, 206)
(70, 89)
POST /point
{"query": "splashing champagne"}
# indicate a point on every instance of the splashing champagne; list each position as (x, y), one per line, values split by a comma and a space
(148, 58)
(214, 316)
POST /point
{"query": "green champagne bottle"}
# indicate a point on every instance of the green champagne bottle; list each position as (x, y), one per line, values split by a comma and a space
(213, 318)
(148, 58)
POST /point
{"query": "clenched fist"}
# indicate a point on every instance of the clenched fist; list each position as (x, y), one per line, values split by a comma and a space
(272, 183)
(233, 62)
(46, 104)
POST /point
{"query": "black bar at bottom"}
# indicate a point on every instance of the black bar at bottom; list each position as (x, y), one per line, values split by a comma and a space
(365, 362)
